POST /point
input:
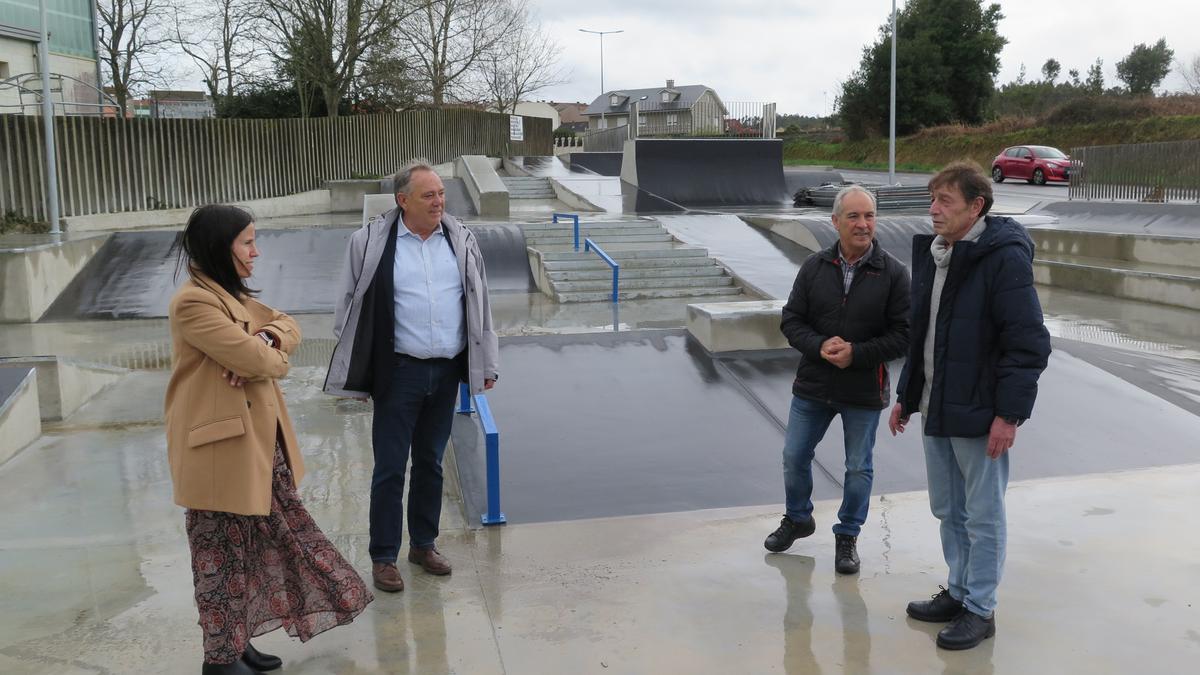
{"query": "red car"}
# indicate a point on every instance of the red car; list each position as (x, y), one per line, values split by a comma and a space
(1035, 163)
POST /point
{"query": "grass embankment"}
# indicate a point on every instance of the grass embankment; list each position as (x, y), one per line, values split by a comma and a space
(931, 149)
(14, 222)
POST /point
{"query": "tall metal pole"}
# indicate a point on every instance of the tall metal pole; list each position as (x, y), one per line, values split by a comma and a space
(892, 108)
(601, 33)
(48, 121)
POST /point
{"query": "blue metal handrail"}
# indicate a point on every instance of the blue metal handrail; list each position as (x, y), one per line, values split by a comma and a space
(493, 515)
(589, 245)
(573, 216)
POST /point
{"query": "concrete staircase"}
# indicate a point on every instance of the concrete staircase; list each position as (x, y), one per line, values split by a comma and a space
(653, 264)
(1160, 269)
(528, 187)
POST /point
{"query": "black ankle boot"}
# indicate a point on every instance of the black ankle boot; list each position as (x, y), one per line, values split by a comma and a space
(260, 661)
(235, 668)
(968, 630)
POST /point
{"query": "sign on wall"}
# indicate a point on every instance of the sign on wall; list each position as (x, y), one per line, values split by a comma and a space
(516, 128)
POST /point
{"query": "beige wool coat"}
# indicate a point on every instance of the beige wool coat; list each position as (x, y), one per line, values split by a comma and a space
(220, 438)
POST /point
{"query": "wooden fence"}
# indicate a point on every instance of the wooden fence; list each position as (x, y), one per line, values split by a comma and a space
(108, 165)
(1147, 172)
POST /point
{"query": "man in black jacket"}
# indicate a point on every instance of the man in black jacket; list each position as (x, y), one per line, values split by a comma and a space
(978, 348)
(847, 316)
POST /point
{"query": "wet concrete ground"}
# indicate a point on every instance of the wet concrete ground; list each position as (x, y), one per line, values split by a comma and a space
(95, 574)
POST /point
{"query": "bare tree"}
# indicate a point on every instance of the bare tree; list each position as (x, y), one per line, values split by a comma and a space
(521, 64)
(220, 39)
(321, 43)
(447, 38)
(1190, 73)
(132, 33)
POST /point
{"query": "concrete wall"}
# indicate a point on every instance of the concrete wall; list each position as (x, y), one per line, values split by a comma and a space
(64, 386)
(21, 58)
(304, 203)
(33, 277)
(1166, 289)
(20, 423)
(1136, 248)
(737, 326)
(487, 191)
(347, 195)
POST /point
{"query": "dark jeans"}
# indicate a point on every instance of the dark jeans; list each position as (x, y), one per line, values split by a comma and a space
(417, 412)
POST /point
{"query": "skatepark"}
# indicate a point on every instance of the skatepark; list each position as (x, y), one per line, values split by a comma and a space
(639, 441)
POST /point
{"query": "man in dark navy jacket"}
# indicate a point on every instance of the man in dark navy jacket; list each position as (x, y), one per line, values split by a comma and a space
(978, 348)
(847, 316)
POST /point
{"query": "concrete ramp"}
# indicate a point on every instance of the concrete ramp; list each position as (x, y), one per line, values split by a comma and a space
(707, 171)
(505, 257)
(133, 275)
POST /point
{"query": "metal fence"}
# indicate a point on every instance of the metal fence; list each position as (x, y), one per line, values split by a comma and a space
(1145, 172)
(110, 165)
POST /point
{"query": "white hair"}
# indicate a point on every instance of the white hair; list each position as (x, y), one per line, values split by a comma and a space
(851, 189)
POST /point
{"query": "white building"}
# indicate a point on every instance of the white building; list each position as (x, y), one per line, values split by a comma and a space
(72, 28)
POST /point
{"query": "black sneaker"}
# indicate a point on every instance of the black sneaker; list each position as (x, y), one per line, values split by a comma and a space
(967, 631)
(788, 532)
(846, 560)
(942, 608)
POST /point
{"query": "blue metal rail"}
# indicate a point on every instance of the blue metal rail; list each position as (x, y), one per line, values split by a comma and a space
(572, 216)
(493, 515)
(589, 245)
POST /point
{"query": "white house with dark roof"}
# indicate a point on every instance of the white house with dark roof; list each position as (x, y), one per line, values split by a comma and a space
(684, 109)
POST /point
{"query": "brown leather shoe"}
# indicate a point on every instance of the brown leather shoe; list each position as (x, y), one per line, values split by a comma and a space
(430, 560)
(387, 577)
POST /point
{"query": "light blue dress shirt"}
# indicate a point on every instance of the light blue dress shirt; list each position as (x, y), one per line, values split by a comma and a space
(428, 296)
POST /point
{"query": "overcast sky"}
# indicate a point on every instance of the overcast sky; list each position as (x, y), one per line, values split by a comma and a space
(796, 52)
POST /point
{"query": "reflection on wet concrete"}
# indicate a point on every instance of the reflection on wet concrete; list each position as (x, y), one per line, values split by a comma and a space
(765, 261)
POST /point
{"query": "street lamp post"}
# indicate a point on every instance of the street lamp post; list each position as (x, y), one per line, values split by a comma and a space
(892, 108)
(48, 121)
(601, 33)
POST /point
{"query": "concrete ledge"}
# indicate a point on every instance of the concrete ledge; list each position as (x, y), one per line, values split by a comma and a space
(1096, 277)
(1180, 251)
(64, 386)
(304, 203)
(487, 191)
(20, 423)
(737, 326)
(32, 277)
(573, 199)
(347, 195)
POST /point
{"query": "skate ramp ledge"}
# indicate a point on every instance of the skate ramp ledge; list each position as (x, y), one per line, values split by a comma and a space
(737, 326)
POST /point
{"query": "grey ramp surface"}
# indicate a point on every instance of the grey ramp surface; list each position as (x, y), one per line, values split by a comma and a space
(11, 377)
(505, 257)
(1177, 220)
(612, 425)
(133, 275)
(765, 260)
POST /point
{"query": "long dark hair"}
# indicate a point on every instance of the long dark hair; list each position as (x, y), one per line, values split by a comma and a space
(206, 244)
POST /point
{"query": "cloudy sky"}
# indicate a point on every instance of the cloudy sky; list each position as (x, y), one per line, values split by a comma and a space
(796, 52)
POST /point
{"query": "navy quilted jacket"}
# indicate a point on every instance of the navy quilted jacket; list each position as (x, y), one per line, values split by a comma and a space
(990, 346)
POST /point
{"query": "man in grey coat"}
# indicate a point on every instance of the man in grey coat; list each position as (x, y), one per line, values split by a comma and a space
(412, 321)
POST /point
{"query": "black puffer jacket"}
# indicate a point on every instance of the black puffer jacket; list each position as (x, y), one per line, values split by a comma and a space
(872, 317)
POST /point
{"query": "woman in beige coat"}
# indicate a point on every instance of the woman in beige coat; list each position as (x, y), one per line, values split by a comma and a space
(259, 562)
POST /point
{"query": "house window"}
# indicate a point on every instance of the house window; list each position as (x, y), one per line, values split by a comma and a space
(3, 70)
(672, 119)
(621, 121)
(614, 100)
(641, 120)
(666, 97)
(602, 124)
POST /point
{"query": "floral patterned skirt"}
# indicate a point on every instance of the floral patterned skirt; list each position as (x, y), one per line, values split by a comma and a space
(254, 574)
